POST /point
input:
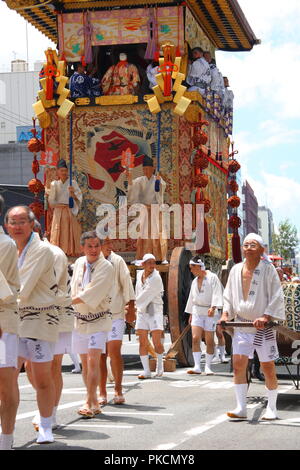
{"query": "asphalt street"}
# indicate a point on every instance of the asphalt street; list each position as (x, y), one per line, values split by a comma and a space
(177, 412)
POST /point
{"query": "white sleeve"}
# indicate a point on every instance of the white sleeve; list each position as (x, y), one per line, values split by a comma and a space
(52, 194)
(99, 288)
(189, 304)
(276, 307)
(217, 297)
(126, 282)
(35, 265)
(227, 297)
(6, 293)
(151, 290)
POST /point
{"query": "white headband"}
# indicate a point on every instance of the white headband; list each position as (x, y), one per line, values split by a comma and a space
(198, 263)
(255, 237)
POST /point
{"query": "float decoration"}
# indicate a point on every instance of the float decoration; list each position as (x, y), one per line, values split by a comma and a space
(234, 202)
(35, 186)
(54, 92)
(168, 69)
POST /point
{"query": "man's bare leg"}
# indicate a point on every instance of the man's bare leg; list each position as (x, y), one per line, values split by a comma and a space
(9, 402)
(143, 350)
(116, 361)
(45, 395)
(269, 371)
(240, 363)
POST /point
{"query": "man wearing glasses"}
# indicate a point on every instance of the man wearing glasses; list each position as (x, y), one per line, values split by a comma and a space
(253, 294)
(39, 321)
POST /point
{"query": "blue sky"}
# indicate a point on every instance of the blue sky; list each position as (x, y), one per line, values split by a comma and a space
(265, 82)
(267, 105)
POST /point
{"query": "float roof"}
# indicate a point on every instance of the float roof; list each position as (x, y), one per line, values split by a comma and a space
(222, 20)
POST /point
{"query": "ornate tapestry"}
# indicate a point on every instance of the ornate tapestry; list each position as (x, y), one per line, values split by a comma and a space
(117, 27)
(100, 134)
(194, 34)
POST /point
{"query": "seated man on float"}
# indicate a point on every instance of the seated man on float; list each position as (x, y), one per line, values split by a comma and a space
(199, 74)
(121, 79)
(80, 82)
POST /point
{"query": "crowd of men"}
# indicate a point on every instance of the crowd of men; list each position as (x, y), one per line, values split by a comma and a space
(44, 314)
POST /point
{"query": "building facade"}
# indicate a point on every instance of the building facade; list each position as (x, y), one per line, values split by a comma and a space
(266, 226)
(250, 209)
(18, 91)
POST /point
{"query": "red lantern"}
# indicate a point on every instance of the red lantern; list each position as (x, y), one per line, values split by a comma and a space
(35, 186)
(34, 145)
(233, 166)
(234, 201)
(233, 186)
(35, 167)
(201, 180)
(234, 222)
(206, 203)
(37, 208)
(200, 160)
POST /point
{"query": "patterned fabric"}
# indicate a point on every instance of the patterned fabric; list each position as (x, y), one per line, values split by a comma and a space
(100, 134)
(121, 79)
(117, 27)
(82, 85)
(194, 34)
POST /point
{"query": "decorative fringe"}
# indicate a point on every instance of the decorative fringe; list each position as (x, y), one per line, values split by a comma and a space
(205, 248)
(236, 247)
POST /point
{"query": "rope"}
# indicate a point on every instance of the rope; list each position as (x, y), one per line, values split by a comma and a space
(71, 200)
(157, 182)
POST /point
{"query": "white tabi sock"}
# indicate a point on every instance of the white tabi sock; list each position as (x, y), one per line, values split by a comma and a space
(197, 360)
(241, 397)
(271, 411)
(54, 423)
(159, 364)
(75, 360)
(145, 364)
(222, 353)
(6, 441)
(45, 435)
(208, 359)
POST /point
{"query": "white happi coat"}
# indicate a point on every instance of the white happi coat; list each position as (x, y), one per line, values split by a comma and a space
(59, 194)
(122, 289)
(265, 295)
(228, 100)
(149, 295)
(209, 295)
(9, 284)
(39, 294)
(66, 317)
(199, 74)
(94, 314)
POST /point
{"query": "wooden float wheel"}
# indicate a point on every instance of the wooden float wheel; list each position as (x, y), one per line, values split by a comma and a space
(179, 283)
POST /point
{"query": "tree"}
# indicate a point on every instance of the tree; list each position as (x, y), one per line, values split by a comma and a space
(286, 242)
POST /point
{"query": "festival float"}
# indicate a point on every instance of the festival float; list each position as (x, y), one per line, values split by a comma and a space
(105, 135)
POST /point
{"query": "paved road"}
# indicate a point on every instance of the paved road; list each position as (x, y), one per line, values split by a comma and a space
(177, 412)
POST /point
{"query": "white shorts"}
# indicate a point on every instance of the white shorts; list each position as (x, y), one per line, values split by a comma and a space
(82, 343)
(152, 322)
(11, 346)
(204, 322)
(117, 330)
(242, 343)
(36, 350)
(64, 344)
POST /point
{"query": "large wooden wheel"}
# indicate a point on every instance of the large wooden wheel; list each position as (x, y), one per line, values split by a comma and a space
(179, 282)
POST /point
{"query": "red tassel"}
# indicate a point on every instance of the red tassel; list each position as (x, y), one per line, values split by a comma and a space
(156, 56)
(205, 248)
(236, 248)
(49, 88)
(83, 62)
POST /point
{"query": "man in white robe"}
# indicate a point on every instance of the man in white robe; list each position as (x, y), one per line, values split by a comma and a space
(142, 191)
(206, 296)
(39, 320)
(9, 323)
(91, 288)
(254, 294)
(199, 74)
(66, 325)
(149, 291)
(65, 229)
(122, 298)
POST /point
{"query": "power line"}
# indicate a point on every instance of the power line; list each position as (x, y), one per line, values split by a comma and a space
(14, 115)
(9, 120)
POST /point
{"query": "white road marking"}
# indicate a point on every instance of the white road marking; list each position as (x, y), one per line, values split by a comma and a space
(29, 414)
(221, 419)
(107, 426)
(135, 413)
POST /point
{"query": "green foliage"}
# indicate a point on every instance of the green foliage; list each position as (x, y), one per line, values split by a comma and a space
(286, 242)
